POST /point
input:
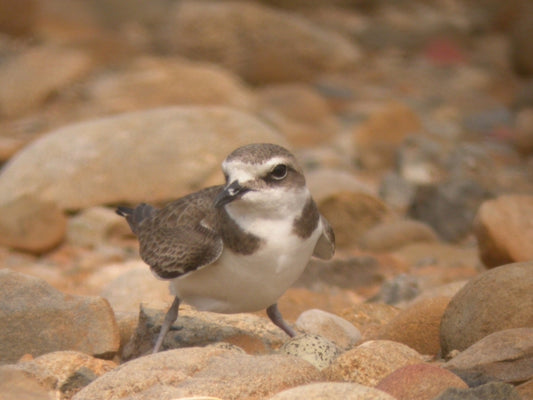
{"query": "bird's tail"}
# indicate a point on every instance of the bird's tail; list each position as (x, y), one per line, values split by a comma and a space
(136, 215)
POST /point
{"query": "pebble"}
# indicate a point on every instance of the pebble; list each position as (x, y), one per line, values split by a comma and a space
(32, 327)
(315, 349)
(497, 299)
(503, 231)
(329, 326)
(419, 382)
(371, 361)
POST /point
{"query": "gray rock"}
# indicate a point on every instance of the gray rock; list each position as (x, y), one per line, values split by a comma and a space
(332, 391)
(315, 349)
(505, 356)
(489, 391)
(266, 55)
(497, 299)
(194, 328)
(54, 322)
(329, 326)
(449, 207)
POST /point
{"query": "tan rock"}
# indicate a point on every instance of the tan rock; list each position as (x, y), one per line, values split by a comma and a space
(324, 182)
(65, 372)
(525, 390)
(38, 327)
(524, 131)
(352, 214)
(418, 326)
(16, 384)
(126, 158)
(32, 225)
(150, 82)
(94, 226)
(390, 236)
(332, 391)
(369, 318)
(29, 78)
(503, 230)
(419, 382)
(506, 355)
(267, 55)
(497, 299)
(330, 326)
(371, 361)
(135, 286)
(378, 138)
(299, 112)
(20, 18)
(210, 371)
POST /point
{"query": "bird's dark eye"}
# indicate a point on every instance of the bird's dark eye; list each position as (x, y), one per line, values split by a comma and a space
(279, 172)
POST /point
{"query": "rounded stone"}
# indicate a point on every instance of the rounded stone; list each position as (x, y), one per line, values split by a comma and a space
(497, 299)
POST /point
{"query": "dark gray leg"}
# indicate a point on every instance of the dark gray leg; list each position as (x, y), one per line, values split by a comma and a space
(170, 317)
(275, 316)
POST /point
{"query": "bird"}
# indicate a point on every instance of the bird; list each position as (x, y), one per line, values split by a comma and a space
(239, 246)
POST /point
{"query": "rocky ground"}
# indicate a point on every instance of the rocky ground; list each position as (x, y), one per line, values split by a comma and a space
(414, 123)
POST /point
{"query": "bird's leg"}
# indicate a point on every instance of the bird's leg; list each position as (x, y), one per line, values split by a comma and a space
(170, 317)
(275, 316)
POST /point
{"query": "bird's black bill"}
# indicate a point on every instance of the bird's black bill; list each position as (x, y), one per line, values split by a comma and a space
(231, 192)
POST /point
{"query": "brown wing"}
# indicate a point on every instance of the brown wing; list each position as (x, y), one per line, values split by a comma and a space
(325, 246)
(182, 236)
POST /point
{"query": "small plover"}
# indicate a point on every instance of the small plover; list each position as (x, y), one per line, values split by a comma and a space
(236, 247)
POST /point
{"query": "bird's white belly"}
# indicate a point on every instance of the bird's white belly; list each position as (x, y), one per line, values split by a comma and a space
(245, 283)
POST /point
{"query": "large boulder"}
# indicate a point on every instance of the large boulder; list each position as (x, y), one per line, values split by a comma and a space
(498, 299)
(140, 156)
